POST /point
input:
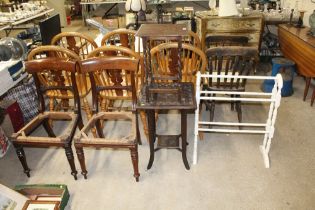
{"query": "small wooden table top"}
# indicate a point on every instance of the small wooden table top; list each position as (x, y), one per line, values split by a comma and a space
(184, 99)
(162, 30)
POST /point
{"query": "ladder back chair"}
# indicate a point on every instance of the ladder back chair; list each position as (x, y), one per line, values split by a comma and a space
(229, 60)
(50, 51)
(104, 72)
(121, 37)
(51, 74)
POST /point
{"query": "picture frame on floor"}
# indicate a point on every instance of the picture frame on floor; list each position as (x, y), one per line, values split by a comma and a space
(41, 205)
(10, 199)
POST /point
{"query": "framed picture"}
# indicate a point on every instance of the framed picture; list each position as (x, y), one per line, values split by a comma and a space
(41, 205)
(10, 199)
(48, 198)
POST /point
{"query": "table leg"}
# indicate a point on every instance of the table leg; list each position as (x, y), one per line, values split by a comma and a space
(184, 137)
(152, 136)
(307, 86)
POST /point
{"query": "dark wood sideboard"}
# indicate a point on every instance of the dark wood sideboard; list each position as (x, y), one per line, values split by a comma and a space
(297, 45)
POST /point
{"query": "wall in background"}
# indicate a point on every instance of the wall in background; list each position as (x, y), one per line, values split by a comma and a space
(59, 6)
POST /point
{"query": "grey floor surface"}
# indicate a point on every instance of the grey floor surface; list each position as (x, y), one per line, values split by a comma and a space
(230, 173)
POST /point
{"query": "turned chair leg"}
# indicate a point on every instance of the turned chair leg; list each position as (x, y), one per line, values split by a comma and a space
(70, 158)
(81, 158)
(134, 159)
(21, 155)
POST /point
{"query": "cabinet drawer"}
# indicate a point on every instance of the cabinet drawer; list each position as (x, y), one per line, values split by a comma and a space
(253, 38)
(233, 24)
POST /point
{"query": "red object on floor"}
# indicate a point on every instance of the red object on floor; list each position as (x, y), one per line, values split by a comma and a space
(16, 116)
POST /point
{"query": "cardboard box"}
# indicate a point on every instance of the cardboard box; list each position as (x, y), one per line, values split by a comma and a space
(46, 192)
(112, 23)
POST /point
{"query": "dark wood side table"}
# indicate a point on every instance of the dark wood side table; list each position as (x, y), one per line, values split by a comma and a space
(169, 93)
(183, 100)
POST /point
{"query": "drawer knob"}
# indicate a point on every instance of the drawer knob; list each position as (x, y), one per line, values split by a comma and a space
(250, 24)
(215, 24)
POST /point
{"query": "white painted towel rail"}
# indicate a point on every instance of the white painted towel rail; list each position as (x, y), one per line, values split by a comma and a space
(267, 128)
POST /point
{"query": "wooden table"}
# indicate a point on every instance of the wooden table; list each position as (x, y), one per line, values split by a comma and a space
(165, 95)
(167, 101)
(297, 45)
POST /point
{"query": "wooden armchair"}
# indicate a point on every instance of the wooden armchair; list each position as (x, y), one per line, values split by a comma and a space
(104, 72)
(52, 75)
(164, 61)
(81, 45)
(121, 37)
(192, 39)
(231, 60)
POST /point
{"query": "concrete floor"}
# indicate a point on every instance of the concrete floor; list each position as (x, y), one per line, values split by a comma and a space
(230, 173)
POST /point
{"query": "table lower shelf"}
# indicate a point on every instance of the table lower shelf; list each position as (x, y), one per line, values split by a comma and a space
(168, 141)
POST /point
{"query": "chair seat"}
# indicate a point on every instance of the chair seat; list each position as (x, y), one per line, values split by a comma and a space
(128, 140)
(84, 139)
(22, 135)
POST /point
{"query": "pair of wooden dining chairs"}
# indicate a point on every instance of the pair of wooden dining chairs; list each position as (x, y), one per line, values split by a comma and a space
(55, 71)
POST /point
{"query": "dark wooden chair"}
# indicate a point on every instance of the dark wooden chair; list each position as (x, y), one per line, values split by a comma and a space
(104, 72)
(231, 60)
(108, 98)
(59, 76)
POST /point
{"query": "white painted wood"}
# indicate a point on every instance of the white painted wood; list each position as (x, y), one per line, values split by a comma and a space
(274, 98)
